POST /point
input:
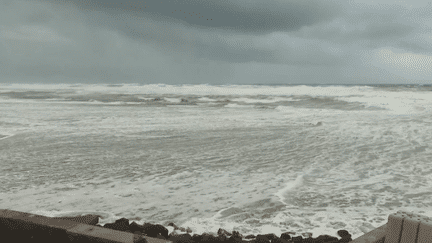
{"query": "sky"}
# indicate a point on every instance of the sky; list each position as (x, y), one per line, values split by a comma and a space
(216, 41)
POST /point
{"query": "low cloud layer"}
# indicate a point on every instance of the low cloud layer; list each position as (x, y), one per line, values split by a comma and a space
(242, 42)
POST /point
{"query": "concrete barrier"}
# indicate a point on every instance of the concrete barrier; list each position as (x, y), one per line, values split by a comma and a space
(401, 227)
(375, 236)
(86, 219)
(406, 227)
(25, 227)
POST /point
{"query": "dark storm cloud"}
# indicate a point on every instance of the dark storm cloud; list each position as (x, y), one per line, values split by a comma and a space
(247, 16)
(293, 41)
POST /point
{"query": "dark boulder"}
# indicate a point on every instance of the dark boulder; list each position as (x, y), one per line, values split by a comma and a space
(236, 237)
(208, 238)
(136, 227)
(346, 237)
(326, 239)
(250, 237)
(154, 230)
(279, 240)
(308, 240)
(122, 224)
(197, 238)
(109, 226)
(223, 232)
(261, 239)
(115, 226)
(184, 241)
(286, 235)
(297, 239)
(237, 234)
(222, 238)
(271, 236)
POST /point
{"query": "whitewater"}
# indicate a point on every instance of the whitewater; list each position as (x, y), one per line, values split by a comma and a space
(251, 158)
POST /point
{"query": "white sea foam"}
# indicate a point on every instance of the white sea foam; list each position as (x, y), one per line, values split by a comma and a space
(299, 181)
(228, 165)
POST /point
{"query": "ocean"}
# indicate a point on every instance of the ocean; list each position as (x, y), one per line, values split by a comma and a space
(251, 158)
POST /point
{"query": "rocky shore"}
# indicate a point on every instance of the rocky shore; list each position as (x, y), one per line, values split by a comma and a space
(181, 235)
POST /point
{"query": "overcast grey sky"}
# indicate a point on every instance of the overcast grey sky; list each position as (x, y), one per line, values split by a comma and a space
(216, 41)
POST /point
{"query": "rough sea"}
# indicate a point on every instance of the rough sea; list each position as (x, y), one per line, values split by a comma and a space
(251, 158)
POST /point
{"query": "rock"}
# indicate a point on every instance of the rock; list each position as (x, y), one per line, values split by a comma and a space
(122, 224)
(184, 241)
(223, 232)
(153, 230)
(326, 239)
(109, 226)
(261, 239)
(345, 240)
(197, 238)
(182, 229)
(237, 234)
(346, 237)
(117, 226)
(251, 237)
(207, 238)
(236, 237)
(271, 236)
(279, 240)
(222, 238)
(136, 227)
(188, 230)
(184, 100)
(286, 235)
(297, 239)
(342, 233)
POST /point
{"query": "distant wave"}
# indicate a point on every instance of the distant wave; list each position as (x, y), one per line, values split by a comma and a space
(2, 136)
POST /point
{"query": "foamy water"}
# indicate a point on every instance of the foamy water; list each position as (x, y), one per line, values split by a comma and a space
(252, 158)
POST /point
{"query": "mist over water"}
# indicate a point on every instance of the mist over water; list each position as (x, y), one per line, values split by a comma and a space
(252, 158)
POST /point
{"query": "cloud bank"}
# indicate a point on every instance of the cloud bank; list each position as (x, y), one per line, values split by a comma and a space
(215, 42)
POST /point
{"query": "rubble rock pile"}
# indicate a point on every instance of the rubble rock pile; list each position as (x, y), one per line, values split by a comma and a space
(182, 235)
